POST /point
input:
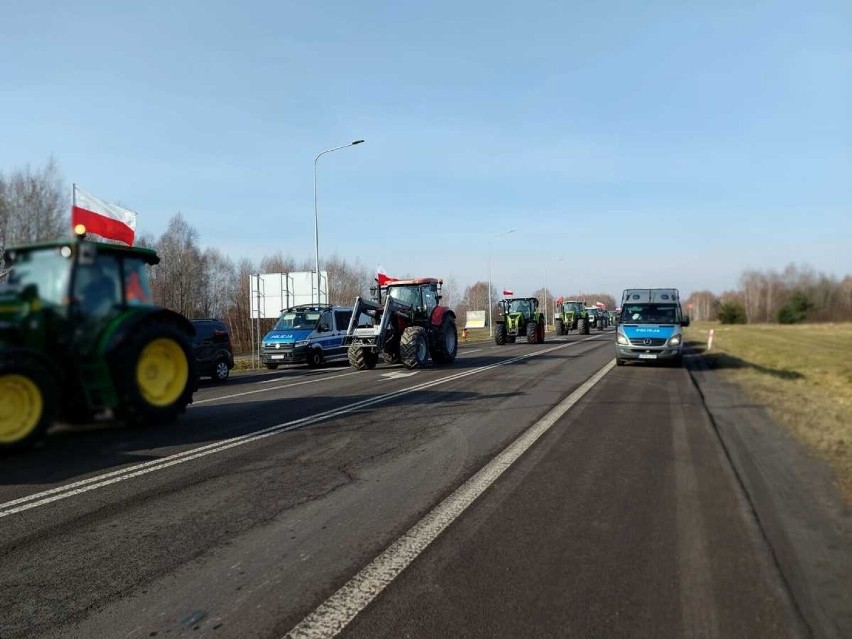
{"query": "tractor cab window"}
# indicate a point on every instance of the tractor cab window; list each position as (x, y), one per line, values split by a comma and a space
(98, 286)
(137, 288)
(48, 270)
(408, 295)
(430, 298)
(520, 306)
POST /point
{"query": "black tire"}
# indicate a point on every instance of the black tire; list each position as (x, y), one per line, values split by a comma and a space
(362, 359)
(28, 401)
(677, 362)
(271, 367)
(221, 372)
(511, 339)
(414, 347)
(500, 334)
(619, 361)
(582, 326)
(154, 375)
(446, 341)
(532, 332)
(559, 327)
(315, 358)
(391, 357)
(600, 325)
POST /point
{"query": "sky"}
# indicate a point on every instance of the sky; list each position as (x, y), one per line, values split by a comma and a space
(623, 144)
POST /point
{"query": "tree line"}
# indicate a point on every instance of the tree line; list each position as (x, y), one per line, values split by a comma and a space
(204, 282)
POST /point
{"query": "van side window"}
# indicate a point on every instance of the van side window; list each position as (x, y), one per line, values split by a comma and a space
(341, 319)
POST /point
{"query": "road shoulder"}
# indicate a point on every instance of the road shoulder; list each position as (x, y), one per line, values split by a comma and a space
(796, 502)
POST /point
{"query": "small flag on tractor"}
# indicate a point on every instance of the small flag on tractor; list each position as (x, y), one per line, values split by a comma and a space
(102, 218)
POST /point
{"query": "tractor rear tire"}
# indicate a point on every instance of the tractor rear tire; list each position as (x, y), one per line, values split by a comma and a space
(154, 375)
(446, 342)
(559, 327)
(500, 334)
(532, 332)
(362, 359)
(582, 327)
(27, 404)
(414, 347)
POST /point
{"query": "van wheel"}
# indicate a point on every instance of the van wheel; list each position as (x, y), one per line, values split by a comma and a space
(315, 358)
(272, 367)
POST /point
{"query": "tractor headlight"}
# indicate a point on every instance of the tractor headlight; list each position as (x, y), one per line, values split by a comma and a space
(674, 340)
(621, 338)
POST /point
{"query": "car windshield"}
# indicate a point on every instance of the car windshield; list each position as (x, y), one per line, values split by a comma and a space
(650, 314)
(48, 270)
(297, 320)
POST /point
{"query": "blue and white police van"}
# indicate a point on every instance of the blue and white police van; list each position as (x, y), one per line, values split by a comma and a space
(306, 334)
(650, 326)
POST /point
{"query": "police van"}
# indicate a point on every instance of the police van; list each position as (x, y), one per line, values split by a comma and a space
(306, 334)
(650, 326)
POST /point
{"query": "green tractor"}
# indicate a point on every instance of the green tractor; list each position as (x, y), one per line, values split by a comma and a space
(571, 315)
(519, 316)
(80, 336)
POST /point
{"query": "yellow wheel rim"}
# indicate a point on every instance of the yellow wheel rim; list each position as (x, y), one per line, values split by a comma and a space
(162, 372)
(21, 407)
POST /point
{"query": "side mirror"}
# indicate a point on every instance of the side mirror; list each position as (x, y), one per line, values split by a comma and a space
(323, 328)
(685, 321)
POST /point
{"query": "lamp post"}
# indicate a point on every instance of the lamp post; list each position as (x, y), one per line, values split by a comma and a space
(488, 295)
(553, 314)
(316, 214)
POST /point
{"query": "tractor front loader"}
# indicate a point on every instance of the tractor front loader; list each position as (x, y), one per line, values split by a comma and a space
(407, 327)
(519, 317)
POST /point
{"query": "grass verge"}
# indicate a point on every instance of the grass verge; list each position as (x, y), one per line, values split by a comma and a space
(802, 374)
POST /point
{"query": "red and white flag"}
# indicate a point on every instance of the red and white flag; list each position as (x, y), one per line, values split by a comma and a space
(383, 278)
(508, 292)
(102, 218)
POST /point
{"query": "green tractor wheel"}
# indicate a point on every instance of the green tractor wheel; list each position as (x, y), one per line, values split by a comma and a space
(583, 326)
(500, 334)
(532, 332)
(155, 375)
(27, 404)
(559, 327)
(362, 359)
(414, 347)
(446, 342)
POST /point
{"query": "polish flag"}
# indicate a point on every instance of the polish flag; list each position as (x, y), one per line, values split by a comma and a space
(102, 218)
(508, 292)
(383, 278)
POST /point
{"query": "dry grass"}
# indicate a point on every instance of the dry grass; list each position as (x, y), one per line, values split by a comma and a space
(801, 373)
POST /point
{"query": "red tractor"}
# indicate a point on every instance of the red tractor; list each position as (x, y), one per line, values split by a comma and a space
(407, 327)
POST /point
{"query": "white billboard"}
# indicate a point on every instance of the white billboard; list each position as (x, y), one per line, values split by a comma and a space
(475, 319)
(273, 292)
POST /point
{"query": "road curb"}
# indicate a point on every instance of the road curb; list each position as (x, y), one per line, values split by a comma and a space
(794, 498)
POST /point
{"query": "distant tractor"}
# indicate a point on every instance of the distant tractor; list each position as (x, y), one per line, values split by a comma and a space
(80, 335)
(571, 315)
(407, 326)
(519, 317)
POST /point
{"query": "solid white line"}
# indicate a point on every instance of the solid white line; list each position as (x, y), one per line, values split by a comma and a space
(270, 388)
(335, 613)
(106, 479)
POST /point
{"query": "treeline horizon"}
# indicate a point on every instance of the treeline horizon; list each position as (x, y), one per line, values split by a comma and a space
(205, 283)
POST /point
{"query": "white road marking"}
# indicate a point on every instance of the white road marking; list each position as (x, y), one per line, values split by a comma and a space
(399, 374)
(271, 388)
(468, 352)
(335, 613)
(106, 479)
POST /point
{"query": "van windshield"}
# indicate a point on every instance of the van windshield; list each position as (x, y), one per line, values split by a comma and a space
(297, 320)
(650, 314)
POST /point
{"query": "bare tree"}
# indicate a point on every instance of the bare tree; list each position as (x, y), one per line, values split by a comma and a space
(180, 277)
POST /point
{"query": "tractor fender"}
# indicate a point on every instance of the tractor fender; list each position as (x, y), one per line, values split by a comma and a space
(125, 323)
(438, 315)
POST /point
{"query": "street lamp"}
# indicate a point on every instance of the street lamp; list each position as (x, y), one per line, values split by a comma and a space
(316, 214)
(553, 315)
(488, 295)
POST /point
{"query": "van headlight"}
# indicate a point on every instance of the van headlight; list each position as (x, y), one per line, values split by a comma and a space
(674, 340)
(303, 342)
(621, 338)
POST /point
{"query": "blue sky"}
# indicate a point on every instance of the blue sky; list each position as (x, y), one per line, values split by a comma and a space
(629, 143)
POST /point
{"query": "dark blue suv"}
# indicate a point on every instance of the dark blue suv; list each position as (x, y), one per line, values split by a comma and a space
(214, 356)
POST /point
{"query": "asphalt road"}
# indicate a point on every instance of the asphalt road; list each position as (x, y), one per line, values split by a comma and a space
(622, 519)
